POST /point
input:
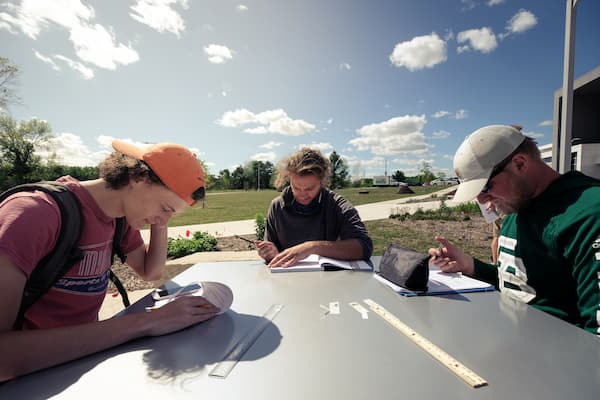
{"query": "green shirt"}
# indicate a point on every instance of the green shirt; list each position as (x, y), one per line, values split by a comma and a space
(549, 252)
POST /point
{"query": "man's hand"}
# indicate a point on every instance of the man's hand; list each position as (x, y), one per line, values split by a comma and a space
(291, 256)
(450, 258)
(266, 250)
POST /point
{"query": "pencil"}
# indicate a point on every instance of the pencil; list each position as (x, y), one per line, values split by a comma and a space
(244, 239)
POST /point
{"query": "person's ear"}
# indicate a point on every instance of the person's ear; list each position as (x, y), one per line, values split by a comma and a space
(521, 162)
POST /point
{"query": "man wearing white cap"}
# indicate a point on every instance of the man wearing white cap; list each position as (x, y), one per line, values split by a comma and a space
(549, 245)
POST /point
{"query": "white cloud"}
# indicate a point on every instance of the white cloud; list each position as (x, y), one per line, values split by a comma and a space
(242, 8)
(492, 3)
(520, 22)
(400, 135)
(47, 60)
(461, 114)
(269, 156)
(547, 122)
(324, 147)
(482, 40)
(440, 134)
(69, 149)
(271, 121)
(86, 72)
(345, 66)
(160, 15)
(440, 114)
(218, 54)
(93, 43)
(419, 52)
(534, 135)
(270, 145)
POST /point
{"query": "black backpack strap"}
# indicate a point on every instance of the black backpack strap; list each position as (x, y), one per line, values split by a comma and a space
(66, 251)
(118, 251)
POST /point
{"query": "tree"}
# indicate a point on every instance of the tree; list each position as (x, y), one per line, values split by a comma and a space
(8, 78)
(399, 176)
(339, 171)
(237, 178)
(17, 147)
(426, 173)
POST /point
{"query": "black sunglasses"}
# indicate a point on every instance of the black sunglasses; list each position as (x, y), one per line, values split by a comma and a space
(497, 169)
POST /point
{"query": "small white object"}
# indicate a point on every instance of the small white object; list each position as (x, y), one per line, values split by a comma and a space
(334, 307)
(364, 313)
(488, 214)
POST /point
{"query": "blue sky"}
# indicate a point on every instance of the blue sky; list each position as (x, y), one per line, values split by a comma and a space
(383, 82)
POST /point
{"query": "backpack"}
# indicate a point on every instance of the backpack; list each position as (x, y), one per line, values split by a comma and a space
(66, 251)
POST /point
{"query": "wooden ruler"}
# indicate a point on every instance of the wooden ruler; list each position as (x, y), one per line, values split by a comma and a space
(223, 368)
(446, 359)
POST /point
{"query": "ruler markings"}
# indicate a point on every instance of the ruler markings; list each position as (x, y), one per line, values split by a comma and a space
(446, 359)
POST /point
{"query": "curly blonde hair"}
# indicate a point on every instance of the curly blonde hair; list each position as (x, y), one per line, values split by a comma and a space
(305, 161)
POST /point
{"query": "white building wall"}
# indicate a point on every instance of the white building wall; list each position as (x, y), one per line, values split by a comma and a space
(586, 156)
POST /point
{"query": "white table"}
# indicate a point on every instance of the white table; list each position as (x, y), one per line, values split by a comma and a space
(523, 353)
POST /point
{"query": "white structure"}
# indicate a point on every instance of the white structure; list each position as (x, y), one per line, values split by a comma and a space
(585, 157)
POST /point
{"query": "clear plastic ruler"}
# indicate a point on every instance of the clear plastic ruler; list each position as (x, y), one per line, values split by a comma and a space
(224, 367)
(446, 359)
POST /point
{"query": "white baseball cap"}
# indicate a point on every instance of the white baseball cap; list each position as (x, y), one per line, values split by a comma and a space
(477, 156)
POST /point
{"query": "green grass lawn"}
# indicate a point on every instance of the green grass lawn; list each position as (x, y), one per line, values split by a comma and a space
(241, 205)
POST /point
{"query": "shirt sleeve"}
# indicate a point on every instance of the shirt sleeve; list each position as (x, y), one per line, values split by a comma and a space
(354, 228)
(29, 227)
(584, 250)
(486, 272)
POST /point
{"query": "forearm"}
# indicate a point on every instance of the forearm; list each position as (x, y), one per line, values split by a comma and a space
(156, 253)
(350, 249)
(28, 351)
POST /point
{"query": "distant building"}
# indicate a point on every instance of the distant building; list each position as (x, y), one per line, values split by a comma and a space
(383, 180)
(585, 141)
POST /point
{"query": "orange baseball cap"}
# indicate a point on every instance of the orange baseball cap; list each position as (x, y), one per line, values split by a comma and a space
(176, 166)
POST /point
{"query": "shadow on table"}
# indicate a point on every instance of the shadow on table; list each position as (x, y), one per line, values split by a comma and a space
(169, 359)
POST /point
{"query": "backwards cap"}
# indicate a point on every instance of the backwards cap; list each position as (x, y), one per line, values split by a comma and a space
(477, 156)
(176, 166)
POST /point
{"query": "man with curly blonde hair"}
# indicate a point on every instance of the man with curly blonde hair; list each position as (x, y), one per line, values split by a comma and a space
(308, 218)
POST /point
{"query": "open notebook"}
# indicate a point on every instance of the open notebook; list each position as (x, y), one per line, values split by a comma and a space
(441, 283)
(315, 262)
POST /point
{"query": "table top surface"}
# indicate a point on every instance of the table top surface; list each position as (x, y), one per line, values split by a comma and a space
(304, 354)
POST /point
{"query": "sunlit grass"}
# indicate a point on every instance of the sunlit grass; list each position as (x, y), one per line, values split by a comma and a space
(242, 205)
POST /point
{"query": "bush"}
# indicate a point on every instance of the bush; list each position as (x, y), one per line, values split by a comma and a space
(200, 241)
(462, 212)
(260, 223)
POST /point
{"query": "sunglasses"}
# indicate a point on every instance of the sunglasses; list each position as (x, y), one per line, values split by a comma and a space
(496, 171)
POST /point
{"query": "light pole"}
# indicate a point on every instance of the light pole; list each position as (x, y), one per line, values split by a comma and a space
(563, 147)
(258, 176)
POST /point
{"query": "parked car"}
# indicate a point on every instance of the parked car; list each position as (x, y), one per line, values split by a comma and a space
(444, 182)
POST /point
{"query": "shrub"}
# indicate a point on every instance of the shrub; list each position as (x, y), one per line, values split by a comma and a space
(200, 241)
(260, 224)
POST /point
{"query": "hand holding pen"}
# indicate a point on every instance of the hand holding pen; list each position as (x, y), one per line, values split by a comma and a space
(450, 258)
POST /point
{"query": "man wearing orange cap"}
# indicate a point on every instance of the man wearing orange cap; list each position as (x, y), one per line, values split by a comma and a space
(147, 186)
(549, 244)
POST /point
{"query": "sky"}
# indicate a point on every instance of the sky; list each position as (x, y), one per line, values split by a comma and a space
(387, 84)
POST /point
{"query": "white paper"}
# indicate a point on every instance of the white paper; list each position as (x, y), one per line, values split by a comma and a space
(314, 262)
(489, 215)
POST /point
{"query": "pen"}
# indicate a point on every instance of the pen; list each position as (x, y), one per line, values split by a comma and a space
(441, 250)
(244, 239)
(173, 297)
